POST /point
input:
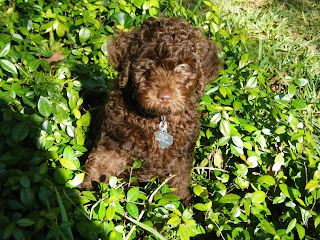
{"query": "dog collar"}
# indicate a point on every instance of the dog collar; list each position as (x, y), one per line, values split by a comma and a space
(161, 136)
(143, 112)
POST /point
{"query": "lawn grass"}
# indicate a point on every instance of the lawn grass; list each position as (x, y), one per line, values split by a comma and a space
(288, 30)
(284, 36)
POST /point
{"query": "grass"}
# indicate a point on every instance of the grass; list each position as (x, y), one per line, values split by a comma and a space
(284, 36)
(288, 30)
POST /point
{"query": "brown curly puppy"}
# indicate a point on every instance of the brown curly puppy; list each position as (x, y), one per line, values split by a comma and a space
(152, 113)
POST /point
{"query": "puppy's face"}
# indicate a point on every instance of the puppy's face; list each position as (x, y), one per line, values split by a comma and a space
(167, 61)
(163, 83)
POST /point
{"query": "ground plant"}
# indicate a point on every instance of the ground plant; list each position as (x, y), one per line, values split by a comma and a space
(256, 169)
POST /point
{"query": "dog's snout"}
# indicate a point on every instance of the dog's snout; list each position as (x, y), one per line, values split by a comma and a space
(165, 95)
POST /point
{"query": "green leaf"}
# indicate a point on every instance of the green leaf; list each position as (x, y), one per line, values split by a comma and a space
(198, 189)
(237, 105)
(44, 106)
(79, 148)
(24, 31)
(291, 225)
(280, 130)
(24, 181)
(253, 161)
(301, 82)
(235, 39)
(60, 28)
(312, 184)
(183, 232)
(5, 50)
(252, 82)
(28, 102)
(291, 90)
(207, 99)
(266, 179)
(174, 220)
(9, 230)
(258, 197)
(224, 140)
(243, 183)
(76, 180)
(138, 3)
(111, 210)
(223, 91)
(27, 197)
(68, 153)
(305, 215)
(244, 59)
(230, 198)
(267, 227)
(101, 211)
(132, 210)
(20, 131)
(216, 118)
(208, 3)
(299, 104)
(84, 120)
(218, 159)
(33, 65)
(61, 175)
(133, 194)
(17, 37)
(297, 136)
(284, 188)
(200, 207)
(250, 128)
(84, 34)
(237, 141)
(8, 66)
(68, 164)
(170, 197)
(45, 51)
(47, 127)
(317, 221)
(89, 195)
(136, 164)
(124, 19)
(225, 128)
(154, 3)
(282, 99)
(301, 231)
(25, 222)
(113, 180)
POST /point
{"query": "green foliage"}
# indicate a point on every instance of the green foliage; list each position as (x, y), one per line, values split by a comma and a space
(257, 170)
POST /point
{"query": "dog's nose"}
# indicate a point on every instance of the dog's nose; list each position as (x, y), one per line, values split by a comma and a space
(165, 95)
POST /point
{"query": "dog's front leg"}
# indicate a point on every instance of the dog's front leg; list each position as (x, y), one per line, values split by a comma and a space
(101, 165)
(181, 182)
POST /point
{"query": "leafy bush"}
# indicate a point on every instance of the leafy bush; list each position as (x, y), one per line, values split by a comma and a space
(257, 168)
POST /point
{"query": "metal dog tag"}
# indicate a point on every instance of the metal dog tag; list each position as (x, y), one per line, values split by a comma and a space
(162, 136)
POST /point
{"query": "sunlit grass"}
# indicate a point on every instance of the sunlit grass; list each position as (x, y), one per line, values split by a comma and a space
(284, 36)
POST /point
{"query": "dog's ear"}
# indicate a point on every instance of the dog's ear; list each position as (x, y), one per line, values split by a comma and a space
(209, 62)
(120, 52)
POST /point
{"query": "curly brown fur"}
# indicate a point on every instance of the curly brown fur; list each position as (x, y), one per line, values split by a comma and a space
(163, 68)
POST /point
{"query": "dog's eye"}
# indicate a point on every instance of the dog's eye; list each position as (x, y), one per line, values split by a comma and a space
(182, 68)
(150, 64)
